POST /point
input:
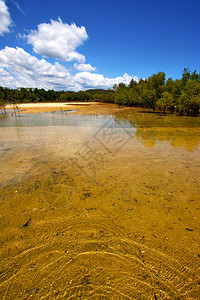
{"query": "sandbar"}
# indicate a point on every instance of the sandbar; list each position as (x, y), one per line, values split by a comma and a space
(80, 107)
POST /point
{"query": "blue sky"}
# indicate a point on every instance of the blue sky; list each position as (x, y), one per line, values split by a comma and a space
(94, 44)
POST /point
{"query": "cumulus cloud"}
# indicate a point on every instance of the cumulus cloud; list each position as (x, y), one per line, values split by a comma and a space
(25, 70)
(58, 40)
(84, 67)
(20, 69)
(91, 80)
(3, 72)
(5, 19)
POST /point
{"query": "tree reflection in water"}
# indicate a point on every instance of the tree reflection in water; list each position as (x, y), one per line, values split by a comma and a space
(151, 128)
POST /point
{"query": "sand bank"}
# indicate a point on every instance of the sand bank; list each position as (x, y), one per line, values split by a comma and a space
(80, 107)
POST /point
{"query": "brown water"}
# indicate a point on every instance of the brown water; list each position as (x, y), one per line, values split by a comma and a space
(100, 207)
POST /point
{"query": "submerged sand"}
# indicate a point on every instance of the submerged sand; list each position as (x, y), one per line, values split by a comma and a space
(85, 217)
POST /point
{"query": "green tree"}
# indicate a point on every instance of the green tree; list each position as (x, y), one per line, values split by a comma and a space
(157, 80)
(170, 86)
(133, 84)
(120, 98)
(195, 76)
(189, 98)
(186, 76)
(188, 104)
(177, 89)
(121, 86)
(151, 89)
(115, 87)
(166, 102)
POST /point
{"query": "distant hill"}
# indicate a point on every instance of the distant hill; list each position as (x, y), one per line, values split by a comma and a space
(97, 91)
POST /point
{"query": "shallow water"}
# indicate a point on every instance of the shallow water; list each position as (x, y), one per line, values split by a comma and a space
(99, 207)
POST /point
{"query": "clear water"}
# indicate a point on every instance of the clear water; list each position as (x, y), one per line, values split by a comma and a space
(99, 206)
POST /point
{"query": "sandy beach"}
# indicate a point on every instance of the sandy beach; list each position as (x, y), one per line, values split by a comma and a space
(80, 107)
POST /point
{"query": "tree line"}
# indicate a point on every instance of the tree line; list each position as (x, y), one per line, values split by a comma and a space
(180, 95)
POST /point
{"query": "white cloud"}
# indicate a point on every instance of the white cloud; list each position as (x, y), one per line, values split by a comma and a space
(20, 69)
(91, 80)
(58, 40)
(84, 67)
(5, 19)
(26, 70)
(3, 72)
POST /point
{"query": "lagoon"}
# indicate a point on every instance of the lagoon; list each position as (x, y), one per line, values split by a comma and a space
(99, 206)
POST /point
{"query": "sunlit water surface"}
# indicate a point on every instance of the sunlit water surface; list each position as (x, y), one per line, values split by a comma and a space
(99, 207)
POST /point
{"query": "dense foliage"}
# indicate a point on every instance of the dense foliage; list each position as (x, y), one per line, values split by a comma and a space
(182, 95)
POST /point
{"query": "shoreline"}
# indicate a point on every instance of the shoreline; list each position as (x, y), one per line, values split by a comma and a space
(49, 104)
(80, 107)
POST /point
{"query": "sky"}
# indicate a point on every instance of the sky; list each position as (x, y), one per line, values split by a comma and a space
(83, 44)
